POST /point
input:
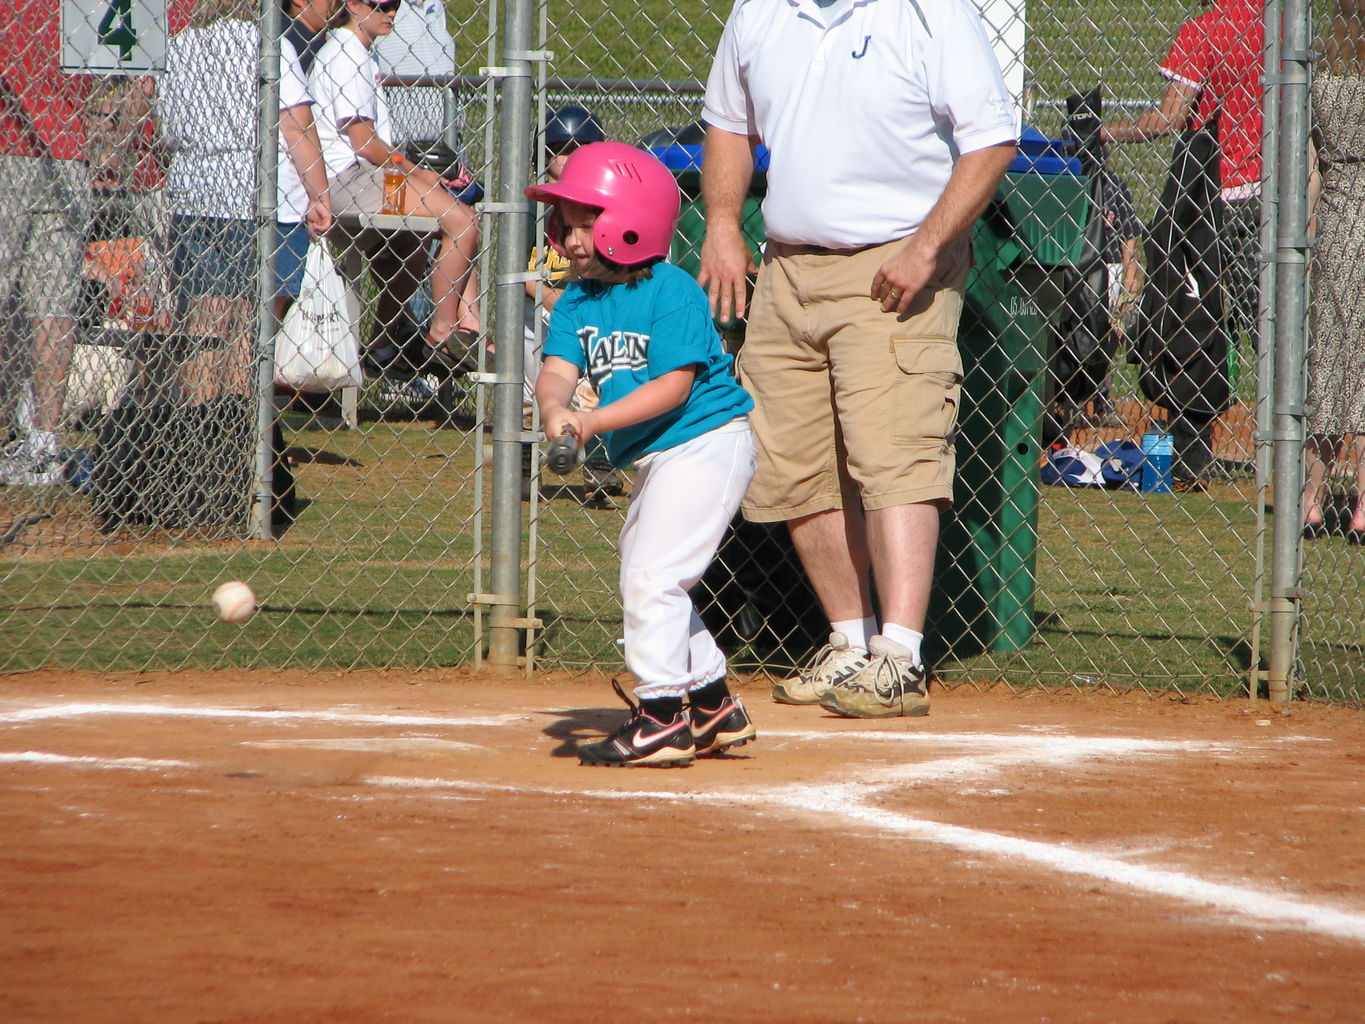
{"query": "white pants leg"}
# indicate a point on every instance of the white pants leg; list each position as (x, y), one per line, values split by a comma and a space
(683, 500)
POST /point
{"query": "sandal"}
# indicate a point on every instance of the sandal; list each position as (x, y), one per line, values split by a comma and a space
(459, 351)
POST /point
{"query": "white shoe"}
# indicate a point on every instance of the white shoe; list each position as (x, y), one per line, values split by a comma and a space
(413, 394)
(28, 467)
(890, 685)
(831, 663)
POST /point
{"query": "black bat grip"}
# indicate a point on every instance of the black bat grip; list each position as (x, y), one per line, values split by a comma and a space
(562, 453)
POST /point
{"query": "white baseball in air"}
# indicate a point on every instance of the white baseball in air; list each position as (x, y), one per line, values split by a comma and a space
(234, 602)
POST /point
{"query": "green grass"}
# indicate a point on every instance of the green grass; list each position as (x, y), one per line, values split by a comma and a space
(380, 565)
(1131, 590)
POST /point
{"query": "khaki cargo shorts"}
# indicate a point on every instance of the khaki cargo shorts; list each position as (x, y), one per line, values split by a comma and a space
(358, 189)
(854, 406)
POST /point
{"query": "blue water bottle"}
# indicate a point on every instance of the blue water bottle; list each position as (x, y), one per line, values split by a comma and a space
(1157, 449)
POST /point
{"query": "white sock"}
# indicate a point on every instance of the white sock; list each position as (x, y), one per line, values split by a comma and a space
(856, 630)
(23, 410)
(907, 638)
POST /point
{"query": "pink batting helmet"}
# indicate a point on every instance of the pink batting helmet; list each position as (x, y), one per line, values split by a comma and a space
(637, 195)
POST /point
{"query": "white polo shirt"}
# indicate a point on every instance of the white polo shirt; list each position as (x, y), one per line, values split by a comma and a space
(864, 106)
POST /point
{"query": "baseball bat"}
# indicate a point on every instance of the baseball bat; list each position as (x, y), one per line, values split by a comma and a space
(563, 452)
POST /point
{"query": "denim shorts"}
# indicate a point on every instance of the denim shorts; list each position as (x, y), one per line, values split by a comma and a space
(213, 256)
(289, 258)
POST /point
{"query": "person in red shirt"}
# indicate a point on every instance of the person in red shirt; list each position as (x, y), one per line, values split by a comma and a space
(1213, 70)
(45, 181)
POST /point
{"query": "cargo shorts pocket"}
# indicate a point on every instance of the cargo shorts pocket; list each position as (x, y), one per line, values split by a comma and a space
(929, 391)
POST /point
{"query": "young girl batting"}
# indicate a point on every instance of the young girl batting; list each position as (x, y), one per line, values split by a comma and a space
(641, 331)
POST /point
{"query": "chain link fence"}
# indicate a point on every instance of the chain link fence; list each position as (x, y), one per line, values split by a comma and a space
(163, 176)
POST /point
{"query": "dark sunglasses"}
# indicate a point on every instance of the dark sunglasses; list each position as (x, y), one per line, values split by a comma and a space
(384, 6)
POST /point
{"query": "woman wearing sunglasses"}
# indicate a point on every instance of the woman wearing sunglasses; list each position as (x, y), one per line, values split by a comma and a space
(356, 130)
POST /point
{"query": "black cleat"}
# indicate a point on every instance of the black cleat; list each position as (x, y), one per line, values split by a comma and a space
(643, 742)
(714, 732)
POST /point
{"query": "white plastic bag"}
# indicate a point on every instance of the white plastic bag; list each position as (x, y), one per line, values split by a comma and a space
(316, 348)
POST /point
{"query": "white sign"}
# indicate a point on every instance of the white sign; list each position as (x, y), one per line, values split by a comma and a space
(1006, 29)
(113, 37)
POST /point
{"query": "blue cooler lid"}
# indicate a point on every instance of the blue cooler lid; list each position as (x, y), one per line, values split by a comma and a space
(678, 158)
(1040, 155)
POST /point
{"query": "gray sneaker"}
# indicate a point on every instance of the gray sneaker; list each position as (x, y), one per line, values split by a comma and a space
(831, 663)
(890, 685)
(410, 394)
(601, 478)
(28, 467)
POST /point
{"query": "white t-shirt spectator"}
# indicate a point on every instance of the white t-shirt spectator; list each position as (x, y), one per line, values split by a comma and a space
(206, 107)
(420, 44)
(345, 82)
(291, 198)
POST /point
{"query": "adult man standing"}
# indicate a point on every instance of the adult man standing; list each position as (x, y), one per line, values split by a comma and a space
(46, 184)
(889, 128)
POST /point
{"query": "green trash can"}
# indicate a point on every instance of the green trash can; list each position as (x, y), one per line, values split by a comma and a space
(685, 163)
(985, 580)
(983, 597)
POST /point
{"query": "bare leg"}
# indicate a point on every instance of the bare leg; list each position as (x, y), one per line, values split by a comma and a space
(833, 550)
(1317, 453)
(469, 301)
(903, 541)
(54, 339)
(1358, 516)
(454, 257)
(224, 369)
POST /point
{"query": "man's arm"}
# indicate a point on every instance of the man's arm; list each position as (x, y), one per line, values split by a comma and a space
(969, 190)
(300, 136)
(727, 168)
(1171, 116)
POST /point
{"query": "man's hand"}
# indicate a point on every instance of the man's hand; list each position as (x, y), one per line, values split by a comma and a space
(725, 267)
(975, 177)
(727, 169)
(319, 217)
(904, 275)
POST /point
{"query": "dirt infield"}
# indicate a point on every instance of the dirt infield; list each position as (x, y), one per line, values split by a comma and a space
(376, 847)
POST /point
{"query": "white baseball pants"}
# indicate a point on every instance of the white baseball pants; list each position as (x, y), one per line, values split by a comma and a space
(682, 502)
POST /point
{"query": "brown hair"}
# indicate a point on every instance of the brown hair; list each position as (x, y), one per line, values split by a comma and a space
(341, 16)
(615, 273)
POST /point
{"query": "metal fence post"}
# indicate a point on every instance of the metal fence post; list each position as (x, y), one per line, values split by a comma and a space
(1265, 329)
(266, 215)
(514, 149)
(1291, 257)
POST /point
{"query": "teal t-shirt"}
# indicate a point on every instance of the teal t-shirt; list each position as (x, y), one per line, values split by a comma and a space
(625, 335)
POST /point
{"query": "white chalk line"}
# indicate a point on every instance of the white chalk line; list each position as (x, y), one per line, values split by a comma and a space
(848, 801)
(116, 763)
(370, 745)
(37, 714)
